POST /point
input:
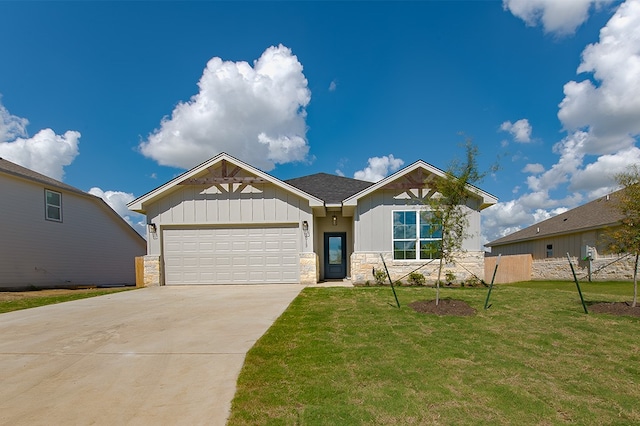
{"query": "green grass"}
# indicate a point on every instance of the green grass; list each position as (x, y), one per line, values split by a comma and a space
(33, 301)
(618, 288)
(341, 356)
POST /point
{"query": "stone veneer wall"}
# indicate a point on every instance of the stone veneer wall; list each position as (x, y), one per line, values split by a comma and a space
(465, 266)
(151, 271)
(309, 272)
(604, 268)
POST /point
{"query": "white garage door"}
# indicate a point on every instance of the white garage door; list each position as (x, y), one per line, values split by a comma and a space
(231, 255)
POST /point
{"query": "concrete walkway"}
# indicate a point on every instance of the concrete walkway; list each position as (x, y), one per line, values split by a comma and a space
(152, 356)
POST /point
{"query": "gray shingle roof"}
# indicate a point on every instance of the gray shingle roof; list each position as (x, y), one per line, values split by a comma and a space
(16, 170)
(330, 188)
(597, 214)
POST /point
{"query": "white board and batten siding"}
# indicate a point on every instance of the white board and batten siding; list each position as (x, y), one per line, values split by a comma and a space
(209, 236)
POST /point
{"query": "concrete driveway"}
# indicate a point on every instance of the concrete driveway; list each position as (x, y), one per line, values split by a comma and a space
(163, 355)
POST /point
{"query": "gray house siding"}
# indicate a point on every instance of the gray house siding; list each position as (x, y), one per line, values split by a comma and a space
(91, 246)
(258, 204)
(574, 244)
(374, 226)
(373, 236)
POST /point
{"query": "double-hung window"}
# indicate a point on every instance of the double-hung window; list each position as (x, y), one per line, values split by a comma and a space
(416, 235)
(53, 205)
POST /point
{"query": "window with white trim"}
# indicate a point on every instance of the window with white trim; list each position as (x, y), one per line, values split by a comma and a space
(416, 236)
(53, 205)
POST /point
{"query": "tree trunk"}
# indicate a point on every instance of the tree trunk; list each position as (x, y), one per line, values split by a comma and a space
(635, 282)
(438, 282)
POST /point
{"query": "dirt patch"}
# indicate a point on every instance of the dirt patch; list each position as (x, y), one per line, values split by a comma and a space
(444, 307)
(6, 296)
(615, 308)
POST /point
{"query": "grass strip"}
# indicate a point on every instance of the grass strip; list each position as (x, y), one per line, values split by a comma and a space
(34, 300)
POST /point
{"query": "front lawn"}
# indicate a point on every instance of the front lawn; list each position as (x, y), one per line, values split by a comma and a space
(349, 356)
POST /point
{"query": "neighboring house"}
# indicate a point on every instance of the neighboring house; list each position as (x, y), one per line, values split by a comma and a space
(55, 235)
(226, 222)
(580, 232)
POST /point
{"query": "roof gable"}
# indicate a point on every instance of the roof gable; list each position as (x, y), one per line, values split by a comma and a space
(595, 214)
(417, 176)
(222, 169)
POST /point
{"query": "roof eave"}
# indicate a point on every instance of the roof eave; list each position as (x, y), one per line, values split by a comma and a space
(487, 199)
(551, 234)
(138, 205)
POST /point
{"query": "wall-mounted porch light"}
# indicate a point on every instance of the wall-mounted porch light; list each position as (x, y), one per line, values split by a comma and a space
(152, 228)
(334, 220)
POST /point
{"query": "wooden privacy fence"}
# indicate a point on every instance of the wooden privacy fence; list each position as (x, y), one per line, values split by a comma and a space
(511, 269)
(140, 271)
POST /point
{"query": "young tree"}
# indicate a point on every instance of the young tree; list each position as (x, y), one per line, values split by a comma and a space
(626, 237)
(448, 206)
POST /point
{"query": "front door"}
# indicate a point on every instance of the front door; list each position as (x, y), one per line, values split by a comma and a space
(335, 255)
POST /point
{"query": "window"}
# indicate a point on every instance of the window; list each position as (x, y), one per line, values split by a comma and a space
(549, 250)
(53, 205)
(415, 235)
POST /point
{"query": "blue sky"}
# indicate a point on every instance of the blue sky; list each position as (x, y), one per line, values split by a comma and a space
(117, 98)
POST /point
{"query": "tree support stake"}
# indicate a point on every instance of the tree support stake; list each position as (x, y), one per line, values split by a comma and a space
(575, 278)
(486, 302)
(390, 282)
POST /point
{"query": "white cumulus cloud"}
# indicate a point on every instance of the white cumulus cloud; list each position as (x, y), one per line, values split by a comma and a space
(600, 115)
(534, 168)
(556, 16)
(608, 108)
(520, 130)
(379, 168)
(599, 177)
(256, 113)
(46, 152)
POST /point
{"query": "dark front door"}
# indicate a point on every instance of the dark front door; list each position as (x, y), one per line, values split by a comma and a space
(335, 255)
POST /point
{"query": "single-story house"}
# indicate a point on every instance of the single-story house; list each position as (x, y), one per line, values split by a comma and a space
(55, 235)
(226, 222)
(580, 232)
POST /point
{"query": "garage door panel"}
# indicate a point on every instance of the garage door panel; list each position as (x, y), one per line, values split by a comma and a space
(221, 277)
(256, 261)
(256, 245)
(223, 261)
(231, 255)
(221, 245)
(242, 246)
(289, 260)
(289, 246)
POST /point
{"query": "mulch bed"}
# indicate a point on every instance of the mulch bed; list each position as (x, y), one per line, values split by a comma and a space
(615, 308)
(444, 307)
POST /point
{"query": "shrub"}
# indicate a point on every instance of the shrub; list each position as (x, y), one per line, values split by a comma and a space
(473, 281)
(380, 276)
(450, 277)
(416, 278)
